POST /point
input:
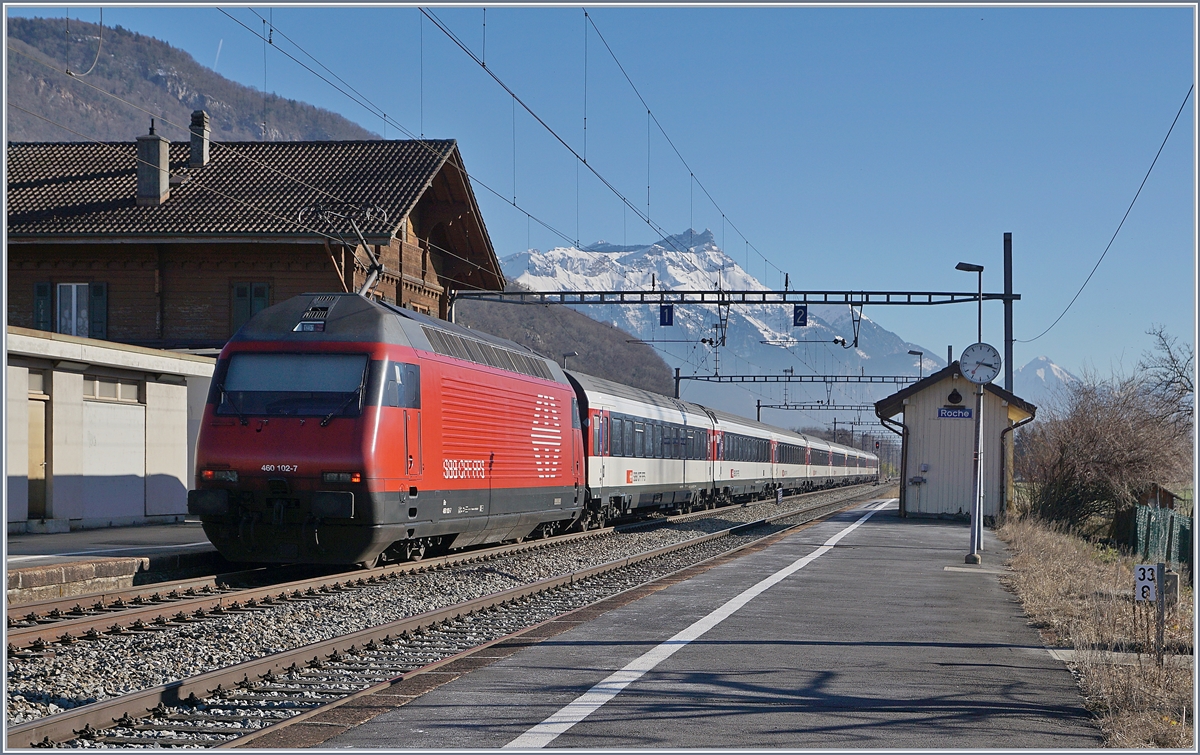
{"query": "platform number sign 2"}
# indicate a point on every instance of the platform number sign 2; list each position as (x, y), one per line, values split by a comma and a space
(799, 315)
(1146, 583)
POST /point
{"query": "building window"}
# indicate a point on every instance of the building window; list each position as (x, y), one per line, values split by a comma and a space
(76, 309)
(124, 390)
(248, 300)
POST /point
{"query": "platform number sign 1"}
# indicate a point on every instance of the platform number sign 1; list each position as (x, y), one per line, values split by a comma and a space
(1145, 586)
(666, 314)
(799, 315)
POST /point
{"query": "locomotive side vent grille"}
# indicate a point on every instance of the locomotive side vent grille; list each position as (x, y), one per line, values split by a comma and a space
(453, 345)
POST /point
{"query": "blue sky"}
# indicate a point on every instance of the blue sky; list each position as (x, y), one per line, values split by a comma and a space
(863, 148)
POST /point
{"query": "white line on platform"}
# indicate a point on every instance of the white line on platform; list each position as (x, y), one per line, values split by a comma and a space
(589, 702)
(107, 550)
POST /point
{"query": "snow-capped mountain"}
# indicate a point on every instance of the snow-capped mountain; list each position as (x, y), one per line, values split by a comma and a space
(759, 339)
(1039, 381)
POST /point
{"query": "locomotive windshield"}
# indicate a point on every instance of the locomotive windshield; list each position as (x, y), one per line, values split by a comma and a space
(274, 385)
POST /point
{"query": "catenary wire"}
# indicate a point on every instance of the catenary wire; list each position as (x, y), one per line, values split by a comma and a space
(1119, 225)
(200, 185)
(703, 188)
(374, 109)
(233, 150)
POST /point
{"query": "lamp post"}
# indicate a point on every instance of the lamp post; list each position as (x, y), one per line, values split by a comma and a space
(567, 355)
(977, 505)
(920, 355)
(967, 267)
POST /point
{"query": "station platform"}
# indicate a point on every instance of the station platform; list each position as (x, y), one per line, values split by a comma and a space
(44, 566)
(866, 630)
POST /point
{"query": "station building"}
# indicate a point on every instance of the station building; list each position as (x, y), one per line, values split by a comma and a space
(174, 245)
(937, 428)
(130, 264)
(100, 434)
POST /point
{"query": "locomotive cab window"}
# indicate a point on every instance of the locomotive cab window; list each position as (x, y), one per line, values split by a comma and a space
(400, 384)
(281, 385)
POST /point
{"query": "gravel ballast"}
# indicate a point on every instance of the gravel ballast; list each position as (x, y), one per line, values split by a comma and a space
(85, 672)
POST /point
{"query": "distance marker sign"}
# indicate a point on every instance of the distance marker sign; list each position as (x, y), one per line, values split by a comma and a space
(1145, 586)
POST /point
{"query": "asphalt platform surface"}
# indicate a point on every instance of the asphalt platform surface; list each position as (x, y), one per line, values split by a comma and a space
(26, 550)
(884, 640)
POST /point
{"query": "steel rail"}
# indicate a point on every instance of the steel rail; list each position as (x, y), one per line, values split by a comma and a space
(102, 714)
(187, 609)
(18, 611)
(816, 512)
(76, 616)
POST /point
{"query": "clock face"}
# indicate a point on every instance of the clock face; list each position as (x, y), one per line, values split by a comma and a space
(980, 363)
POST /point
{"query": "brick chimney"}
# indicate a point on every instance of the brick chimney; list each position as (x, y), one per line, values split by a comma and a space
(153, 175)
(200, 132)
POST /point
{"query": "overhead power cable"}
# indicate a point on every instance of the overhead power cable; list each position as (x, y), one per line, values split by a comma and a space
(200, 185)
(663, 131)
(1119, 225)
(579, 158)
(226, 147)
(377, 111)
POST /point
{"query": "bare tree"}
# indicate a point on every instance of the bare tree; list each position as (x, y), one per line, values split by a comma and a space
(1169, 372)
(1088, 458)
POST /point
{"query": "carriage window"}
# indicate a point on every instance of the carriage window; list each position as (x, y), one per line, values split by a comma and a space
(615, 445)
(658, 441)
(629, 437)
(639, 440)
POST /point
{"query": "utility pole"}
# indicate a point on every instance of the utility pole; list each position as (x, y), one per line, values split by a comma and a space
(1008, 314)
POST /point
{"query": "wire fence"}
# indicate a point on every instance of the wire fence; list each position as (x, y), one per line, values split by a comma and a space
(1162, 534)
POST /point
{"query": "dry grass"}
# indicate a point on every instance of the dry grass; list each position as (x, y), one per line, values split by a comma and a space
(1081, 596)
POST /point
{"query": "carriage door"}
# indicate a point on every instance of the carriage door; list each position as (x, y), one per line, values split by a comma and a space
(576, 449)
(407, 379)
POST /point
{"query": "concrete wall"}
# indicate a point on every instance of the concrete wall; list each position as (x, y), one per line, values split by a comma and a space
(109, 461)
(17, 445)
(946, 446)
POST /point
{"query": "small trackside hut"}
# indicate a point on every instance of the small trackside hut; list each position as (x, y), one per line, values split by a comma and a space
(937, 428)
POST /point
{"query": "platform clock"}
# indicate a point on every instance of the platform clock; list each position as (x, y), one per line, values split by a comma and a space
(980, 363)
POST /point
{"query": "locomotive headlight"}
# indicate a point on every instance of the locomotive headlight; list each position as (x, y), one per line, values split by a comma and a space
(341, 476)
(219, 475)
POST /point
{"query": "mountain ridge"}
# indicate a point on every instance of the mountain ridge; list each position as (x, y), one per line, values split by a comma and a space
(153, 78)
(692, 261)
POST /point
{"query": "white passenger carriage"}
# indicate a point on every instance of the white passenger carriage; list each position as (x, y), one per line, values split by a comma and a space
(645, 451)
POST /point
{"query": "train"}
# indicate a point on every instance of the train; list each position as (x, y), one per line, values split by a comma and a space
(339, 429)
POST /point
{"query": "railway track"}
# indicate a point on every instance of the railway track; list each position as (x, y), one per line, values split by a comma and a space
(34, 627)
(237, 702)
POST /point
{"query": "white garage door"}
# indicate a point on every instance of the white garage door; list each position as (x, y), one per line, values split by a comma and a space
(114, 459)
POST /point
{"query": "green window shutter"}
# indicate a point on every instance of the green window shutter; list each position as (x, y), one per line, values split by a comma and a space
(260, 297)
(241, 305)
(98, 325)
(43, 309)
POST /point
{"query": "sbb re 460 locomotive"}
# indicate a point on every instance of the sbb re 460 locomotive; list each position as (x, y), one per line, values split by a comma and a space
(342, 430)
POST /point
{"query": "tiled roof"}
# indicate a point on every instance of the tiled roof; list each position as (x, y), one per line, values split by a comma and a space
(894, 404)
(61, 190)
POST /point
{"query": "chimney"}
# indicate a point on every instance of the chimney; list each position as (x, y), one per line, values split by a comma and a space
(153, 176)
(200, 132)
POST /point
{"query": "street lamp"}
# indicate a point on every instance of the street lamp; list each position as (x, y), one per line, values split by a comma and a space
(977, 505)
(920, 355)
(967, 267)
(568, 354)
